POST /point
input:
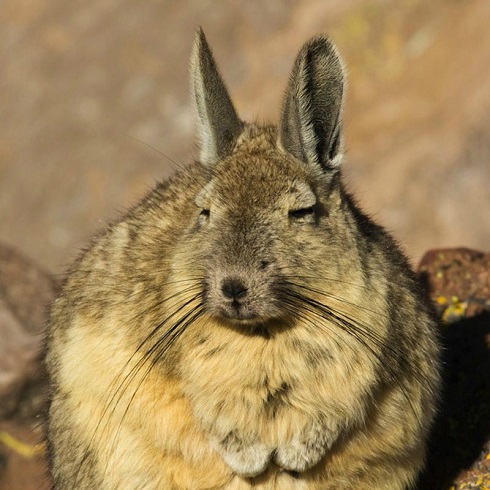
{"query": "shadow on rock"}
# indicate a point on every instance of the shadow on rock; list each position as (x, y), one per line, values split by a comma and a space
(462, 429)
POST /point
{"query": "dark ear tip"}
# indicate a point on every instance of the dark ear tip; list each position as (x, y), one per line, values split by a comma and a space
(322, 46)
(321, 40)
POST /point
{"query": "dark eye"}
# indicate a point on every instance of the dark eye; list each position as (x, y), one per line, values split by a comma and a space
(301, 213)
(203, 218)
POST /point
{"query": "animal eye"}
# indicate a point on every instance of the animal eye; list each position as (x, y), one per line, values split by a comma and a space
(203, 218)
(204, 214)
(302, 213)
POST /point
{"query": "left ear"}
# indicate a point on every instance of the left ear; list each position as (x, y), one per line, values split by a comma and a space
(311, 123)
(218, 123)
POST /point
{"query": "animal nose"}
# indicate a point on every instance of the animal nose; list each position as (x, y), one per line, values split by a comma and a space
(234, 289)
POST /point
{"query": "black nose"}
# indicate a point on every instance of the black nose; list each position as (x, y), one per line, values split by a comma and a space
(234, 289)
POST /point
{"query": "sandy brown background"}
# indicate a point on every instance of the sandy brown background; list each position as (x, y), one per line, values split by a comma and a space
(88, 86)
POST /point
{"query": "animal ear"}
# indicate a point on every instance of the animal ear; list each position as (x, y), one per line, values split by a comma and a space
(218, 123)
(311, 121)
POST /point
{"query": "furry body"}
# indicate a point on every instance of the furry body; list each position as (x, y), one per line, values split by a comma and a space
(242, 327)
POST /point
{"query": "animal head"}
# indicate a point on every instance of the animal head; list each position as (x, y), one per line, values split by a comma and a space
(270, 210)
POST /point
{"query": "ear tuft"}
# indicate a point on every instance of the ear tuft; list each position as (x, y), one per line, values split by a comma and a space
(218, 123)
(311, 121)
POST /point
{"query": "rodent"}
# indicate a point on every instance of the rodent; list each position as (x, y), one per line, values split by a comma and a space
(245, 325)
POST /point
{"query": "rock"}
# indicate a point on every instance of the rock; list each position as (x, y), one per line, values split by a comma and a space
(22, 462)
(25, 293)
(26, 289)
(458, 281)
(19, 360)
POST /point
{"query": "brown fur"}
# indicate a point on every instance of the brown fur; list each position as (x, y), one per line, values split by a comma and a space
(245, 326)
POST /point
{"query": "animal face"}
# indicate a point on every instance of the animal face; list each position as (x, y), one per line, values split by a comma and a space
(255, 236)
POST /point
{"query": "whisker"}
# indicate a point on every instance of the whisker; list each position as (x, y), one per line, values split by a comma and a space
(337, 298)
(366, 337)
(165, 342)
(335, 280)
(360, 326)
(120, 384)
(179, 165)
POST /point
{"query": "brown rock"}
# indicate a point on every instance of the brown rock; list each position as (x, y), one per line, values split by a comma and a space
(19, 360)
(22, 457)
(25, 292)
(458, 281)
(26, 289)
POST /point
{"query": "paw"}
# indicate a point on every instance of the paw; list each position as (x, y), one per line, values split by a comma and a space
(246, 460)
(299, 455)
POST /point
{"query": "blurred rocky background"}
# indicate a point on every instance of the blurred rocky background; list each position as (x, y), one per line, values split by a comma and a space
(94, 108)
(88, 86)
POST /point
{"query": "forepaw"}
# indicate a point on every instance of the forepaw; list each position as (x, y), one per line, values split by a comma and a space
(246, 460)
(299, 455)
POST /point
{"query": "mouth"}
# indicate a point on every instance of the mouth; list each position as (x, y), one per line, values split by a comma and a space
(253, 325)
(239, 315)
(243, 312)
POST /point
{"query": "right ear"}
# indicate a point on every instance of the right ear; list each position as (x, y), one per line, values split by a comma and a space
(311, 122)
(218, 123)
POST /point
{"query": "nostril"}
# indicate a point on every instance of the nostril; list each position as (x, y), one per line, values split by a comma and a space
(234, 289)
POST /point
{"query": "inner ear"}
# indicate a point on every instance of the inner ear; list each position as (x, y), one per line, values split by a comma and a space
(311, 127)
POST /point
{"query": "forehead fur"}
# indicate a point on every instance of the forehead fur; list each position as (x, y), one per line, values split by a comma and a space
(257, 164)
